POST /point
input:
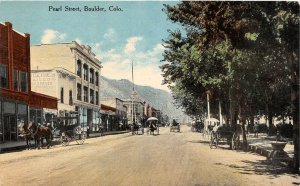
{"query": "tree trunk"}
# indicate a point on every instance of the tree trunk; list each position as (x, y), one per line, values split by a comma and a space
(294, 69)
(243, 121)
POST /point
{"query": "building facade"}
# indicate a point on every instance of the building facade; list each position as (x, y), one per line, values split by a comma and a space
(18, 104)
(120, 115)
(135, 111)
(58, 83)
(81, 61)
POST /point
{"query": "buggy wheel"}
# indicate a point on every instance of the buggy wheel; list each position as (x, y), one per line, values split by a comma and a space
(80, 138)
(64, 139)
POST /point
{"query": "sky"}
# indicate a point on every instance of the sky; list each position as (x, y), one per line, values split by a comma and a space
(117, 37)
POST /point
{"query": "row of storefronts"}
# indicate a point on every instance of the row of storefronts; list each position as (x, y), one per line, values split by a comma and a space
(57, 84)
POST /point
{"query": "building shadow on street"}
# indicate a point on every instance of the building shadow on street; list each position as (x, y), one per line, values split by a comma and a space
(261, 167)
(198, 141)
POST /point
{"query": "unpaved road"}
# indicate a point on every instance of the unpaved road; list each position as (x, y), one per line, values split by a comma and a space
(166, 159)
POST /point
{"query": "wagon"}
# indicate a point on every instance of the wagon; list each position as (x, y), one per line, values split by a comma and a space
(137, 129)
(72, 133)
(152, 126)
(224, 134)
(68, 133)
(175, 128)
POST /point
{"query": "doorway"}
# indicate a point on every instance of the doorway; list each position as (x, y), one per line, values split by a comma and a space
(10, 127)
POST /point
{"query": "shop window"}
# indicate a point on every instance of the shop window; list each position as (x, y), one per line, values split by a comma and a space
(85, 94)
(97, 79)
(79, 70)
(91, 96)
(3, 76)
(9, 108)
(22, 115)
(78, 91)
(62, 95)
(1, 125)
(23, 82)
(16, 80)
(85, 72)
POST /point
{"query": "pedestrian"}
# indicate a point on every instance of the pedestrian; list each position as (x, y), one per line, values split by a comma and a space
(256, 129)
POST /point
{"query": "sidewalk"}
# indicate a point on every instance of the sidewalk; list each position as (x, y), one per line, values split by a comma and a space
(262, 145)
(20, 145)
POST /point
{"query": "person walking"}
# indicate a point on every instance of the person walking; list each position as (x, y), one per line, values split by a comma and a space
(256, 129)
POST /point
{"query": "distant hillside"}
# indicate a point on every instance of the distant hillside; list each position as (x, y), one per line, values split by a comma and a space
(157, 98)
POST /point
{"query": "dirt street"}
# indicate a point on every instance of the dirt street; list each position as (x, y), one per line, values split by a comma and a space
(166, 159)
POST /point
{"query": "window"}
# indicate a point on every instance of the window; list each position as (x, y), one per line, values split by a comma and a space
(78, 91)
(97, 79)
(79, 68)
(91, 96)
(92, 75)
(70, 98)
(3, 76)
(97, 98)
(62, 95)
(16, 80)
(85, 94)
(23, 82)
(85, 72)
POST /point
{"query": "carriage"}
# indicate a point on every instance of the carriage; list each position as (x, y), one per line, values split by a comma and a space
(209, 124)
(175, 127)
(152, 126)
(137, 129)
(68, 133)
(224, 134)
(72, 133)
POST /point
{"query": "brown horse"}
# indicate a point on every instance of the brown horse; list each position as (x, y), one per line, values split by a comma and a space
(40, 132)
(26, 134)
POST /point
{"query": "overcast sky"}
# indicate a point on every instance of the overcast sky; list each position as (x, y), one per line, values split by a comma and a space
(116, 37)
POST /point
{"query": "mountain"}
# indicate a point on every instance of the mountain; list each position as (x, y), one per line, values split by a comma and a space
(157, 98)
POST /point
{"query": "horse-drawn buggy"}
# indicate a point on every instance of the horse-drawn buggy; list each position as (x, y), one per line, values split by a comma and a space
(224, 134)
(152, 126)
(69, 132)
(175, 127)
(197, 126)
(137, 128)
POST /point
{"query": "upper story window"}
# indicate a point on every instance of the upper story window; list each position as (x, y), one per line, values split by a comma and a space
(92, 78)
(16, 80)
(79, 68)
(97, 98)
(3, 76)
(23, 82)
(62, 95)
(78, 91)
(97, 79)
(92, 96)
(85, 94)
(70, 97)
(85, 72)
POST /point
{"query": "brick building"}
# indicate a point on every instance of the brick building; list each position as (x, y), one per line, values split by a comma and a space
(17, 102)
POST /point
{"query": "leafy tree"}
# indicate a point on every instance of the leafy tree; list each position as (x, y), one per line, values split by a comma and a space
(245, 32)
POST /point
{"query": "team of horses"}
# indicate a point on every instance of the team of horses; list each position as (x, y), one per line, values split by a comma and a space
(37, 133)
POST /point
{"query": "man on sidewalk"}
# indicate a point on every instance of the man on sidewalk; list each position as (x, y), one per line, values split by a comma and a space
(256, 129)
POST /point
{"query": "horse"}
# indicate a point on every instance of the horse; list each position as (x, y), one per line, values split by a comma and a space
(41, 131)
(26, 134)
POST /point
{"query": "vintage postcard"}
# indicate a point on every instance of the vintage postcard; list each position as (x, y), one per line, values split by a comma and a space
(157, 93)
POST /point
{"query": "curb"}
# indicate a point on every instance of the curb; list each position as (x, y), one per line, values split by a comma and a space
(56, 142)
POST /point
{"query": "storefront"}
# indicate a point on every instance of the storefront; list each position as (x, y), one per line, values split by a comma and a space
(18, 104)
(88, 117)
